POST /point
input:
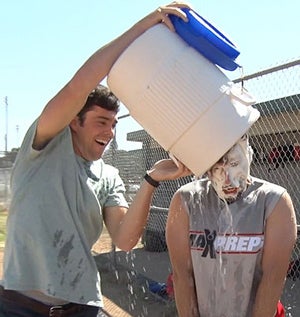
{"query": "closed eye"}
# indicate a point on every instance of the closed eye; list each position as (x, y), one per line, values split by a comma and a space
(234, 163)
(216, 169)
(101, 122)
(104, 122)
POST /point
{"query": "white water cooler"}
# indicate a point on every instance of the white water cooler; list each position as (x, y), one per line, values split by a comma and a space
(184, 101)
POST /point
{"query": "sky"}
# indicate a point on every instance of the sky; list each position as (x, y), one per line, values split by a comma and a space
(43, 43)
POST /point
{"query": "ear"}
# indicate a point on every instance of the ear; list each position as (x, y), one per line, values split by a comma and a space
(74, 124)
(209, 174)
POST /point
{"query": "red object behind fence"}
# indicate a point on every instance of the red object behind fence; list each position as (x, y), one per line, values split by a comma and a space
(280, 310)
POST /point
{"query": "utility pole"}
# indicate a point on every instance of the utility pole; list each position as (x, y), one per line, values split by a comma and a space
(17, 129)
(6, 124)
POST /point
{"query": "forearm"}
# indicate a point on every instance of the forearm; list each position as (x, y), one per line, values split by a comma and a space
(268, 295)
(134, 221)
(185, 296)
(96, 68)
(130, 226)
(61, 109)
(98, 65)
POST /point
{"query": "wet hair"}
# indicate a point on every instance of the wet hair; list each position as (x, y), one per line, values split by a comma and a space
(102, 97)
(249, 151)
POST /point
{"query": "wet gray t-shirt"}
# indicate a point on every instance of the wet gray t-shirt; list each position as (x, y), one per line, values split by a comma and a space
(54, 219)
(226, 245)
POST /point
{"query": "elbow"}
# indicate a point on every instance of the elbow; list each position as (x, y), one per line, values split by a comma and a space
(125, 244)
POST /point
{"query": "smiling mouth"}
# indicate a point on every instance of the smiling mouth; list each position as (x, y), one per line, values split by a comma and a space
(230, 190)
(102, 142)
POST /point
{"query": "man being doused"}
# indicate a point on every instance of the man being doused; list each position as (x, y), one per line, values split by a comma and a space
(230, 237)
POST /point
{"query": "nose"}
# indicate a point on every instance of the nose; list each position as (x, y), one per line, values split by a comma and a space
(226, 178)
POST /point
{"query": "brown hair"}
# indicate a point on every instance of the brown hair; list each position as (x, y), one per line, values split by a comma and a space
(102, 97)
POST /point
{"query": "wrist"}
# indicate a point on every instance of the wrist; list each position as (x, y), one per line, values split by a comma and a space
(151, 181)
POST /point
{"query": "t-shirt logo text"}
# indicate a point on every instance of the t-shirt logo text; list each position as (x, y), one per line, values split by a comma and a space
(210, 243)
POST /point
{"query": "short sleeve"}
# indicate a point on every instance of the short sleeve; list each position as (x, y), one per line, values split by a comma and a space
(111, 189)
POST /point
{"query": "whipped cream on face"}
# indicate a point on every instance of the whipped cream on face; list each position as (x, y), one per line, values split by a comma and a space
(231, 174)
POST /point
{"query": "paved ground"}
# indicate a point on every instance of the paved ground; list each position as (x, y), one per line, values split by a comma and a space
(126, 278)
(127, 293)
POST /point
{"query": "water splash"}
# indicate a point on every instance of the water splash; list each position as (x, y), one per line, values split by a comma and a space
(223, 219)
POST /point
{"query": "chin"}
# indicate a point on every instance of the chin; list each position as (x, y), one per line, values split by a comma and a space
(98, 155)
(93, 158)
(232, 199)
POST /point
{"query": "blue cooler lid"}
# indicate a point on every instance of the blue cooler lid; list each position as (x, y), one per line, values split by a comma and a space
(206, 39)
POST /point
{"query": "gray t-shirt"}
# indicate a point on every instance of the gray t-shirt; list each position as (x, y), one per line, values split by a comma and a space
(227, 244)
(54, 219)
